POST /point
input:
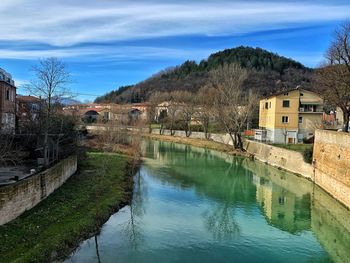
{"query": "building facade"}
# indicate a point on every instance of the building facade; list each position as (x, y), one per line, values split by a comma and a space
(28, 113)
(289, 117)
(7, 103)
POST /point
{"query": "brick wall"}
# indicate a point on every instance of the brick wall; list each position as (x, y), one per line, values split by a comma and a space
(25, 194)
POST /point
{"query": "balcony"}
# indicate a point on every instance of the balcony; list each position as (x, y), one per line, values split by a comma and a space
(311, 109)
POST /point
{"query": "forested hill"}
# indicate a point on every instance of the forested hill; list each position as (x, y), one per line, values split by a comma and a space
(269, 72)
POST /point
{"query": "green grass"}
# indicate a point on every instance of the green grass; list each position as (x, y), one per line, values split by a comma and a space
(295, 147)
(71, 214)
(155, 126)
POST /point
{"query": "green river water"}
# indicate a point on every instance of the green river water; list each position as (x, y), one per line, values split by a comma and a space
(197, 205)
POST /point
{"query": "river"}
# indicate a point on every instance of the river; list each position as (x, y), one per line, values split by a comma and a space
(198, 205)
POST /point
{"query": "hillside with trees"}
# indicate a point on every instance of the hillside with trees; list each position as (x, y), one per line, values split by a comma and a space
(268, 72)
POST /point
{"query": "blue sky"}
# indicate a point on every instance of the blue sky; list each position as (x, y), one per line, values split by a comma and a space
(109, 43)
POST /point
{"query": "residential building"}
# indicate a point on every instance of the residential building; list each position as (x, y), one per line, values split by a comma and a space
(27, 113)
(7, 103)
(289, 116)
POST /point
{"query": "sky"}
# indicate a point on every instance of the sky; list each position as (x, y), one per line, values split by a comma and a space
(109, 43)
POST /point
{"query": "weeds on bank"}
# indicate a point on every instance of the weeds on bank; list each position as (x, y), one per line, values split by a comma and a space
(71, 214)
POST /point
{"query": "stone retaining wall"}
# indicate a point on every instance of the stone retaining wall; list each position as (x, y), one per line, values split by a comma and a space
(25, 194)
(291, 161)
(332, 163)
(221, 138)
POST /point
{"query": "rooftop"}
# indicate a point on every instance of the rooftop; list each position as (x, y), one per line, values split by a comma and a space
(6, 77)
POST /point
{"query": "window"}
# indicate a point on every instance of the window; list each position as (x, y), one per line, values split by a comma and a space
(286, 94)
(285, 103)
(300, 119)
(270, 105)
(266, 105)
(301, 94)
(281, 200)
(285, 119)
(8, 94)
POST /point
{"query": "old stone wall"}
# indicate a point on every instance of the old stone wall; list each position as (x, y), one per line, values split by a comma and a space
(332, 163)
(221, 138)
(25, 194)
(289, 160)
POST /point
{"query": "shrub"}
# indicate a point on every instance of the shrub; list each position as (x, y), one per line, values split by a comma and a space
(308, 154)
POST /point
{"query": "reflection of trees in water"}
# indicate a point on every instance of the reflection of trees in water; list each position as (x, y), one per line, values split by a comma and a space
(133, 229)
(221, 222)
(97, 251)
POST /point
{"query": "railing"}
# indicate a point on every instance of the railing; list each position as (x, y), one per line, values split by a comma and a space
(310, 110)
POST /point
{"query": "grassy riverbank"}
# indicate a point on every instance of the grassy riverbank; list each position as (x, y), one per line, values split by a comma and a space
(74, 212)
(196, 142)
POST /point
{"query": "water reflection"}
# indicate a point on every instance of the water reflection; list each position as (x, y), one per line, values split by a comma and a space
(330, 221)
(221, 222)
(197, 205)
(133, 227)
(283, 209)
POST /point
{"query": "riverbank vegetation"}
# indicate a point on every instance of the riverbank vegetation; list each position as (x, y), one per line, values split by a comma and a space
(74, 212)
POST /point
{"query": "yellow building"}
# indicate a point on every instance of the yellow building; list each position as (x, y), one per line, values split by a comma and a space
(289, 116)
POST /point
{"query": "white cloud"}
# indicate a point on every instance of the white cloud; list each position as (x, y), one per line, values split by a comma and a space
(119, 53)
(64, 23)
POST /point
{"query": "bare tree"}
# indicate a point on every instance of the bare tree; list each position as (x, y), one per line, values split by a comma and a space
(154, 100)
(232, 106)
(9, 153)
(186, 103)
(173, 110)
(332, 80)
(204, 100)
(50, 85)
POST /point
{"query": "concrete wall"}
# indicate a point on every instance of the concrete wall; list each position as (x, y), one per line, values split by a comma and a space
(25, 194)
(332, 163)
(289, 160)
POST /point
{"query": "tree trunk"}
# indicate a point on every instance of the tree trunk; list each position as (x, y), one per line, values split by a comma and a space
(46, 150)
(346, 116)
(233, 140)
(239, 142)
(205, 132)
(188, 130)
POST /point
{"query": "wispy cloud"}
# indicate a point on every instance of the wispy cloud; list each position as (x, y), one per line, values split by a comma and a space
(108, 43)
(64, 23)
(106, 53)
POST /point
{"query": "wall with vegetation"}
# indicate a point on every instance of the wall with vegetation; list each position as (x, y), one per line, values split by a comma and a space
(289, 160)
(21, 196)
(332, 163)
